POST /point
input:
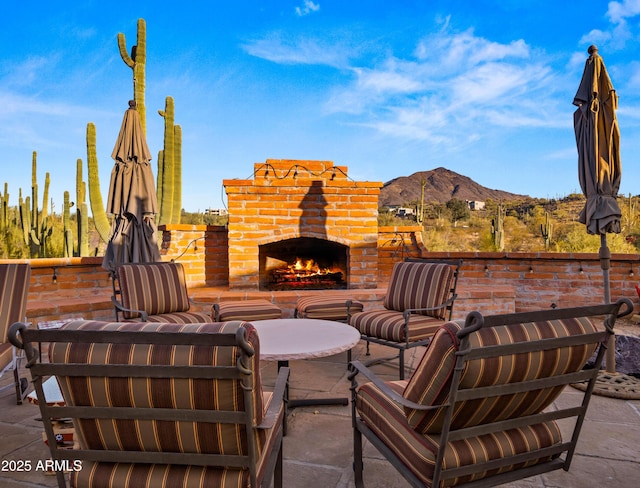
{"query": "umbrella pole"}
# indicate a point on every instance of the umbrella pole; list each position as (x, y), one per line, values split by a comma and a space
(605, 261)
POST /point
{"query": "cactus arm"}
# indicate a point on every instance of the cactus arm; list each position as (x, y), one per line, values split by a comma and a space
(95, 197)
(122, 46)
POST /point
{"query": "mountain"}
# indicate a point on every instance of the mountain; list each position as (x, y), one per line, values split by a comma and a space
(441, 186)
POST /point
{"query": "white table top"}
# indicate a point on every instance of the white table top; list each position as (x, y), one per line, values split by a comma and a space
(289, 339)
(51, 392)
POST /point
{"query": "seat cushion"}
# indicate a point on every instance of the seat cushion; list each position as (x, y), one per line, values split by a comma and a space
(156, 288)
(418, 451)
(327, 307)
(389, 325)
(137, 475)
(420, 285)
(178, 318)
(248, 310)
(431, 381)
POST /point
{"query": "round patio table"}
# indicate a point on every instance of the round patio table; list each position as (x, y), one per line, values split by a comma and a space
(284, 340)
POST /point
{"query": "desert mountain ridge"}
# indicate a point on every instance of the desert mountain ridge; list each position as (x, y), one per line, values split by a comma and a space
(441, 185)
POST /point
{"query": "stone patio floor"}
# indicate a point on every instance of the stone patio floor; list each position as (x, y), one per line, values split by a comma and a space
(318, 447)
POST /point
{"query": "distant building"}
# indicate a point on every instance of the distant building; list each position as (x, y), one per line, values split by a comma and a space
(216, 211)
(405, 212)
(473, 205)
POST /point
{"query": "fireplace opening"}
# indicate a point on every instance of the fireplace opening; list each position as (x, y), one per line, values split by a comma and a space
(303, 263)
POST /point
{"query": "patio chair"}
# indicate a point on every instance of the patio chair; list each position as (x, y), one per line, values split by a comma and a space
(419, 299)
(158, 405)
(477, 410)
(153, 292)
(14, 287)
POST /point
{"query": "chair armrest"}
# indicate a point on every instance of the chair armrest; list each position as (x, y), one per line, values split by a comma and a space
(358, 367)
(276, 401)
(409, 311)
(144, 316)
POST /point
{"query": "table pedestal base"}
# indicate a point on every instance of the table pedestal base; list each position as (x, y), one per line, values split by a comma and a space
(308, 402)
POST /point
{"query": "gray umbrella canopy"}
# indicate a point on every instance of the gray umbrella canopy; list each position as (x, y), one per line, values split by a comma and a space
(599, 166)
(132, 198)
(598, 141)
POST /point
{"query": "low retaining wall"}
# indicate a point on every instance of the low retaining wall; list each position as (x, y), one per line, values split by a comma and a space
(489, 282)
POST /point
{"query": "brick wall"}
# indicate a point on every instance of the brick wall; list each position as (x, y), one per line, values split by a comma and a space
(489, 282)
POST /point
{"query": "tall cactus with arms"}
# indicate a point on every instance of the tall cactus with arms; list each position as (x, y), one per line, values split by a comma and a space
(137, 61)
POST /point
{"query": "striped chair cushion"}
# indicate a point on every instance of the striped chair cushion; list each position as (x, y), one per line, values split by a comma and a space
(430, 382)
(419, 285)
(14, 286)
(389, 325)
(178, 318)
(247, 310)
(159, 393)
(156, 288)
(387, 419)
(327, 307)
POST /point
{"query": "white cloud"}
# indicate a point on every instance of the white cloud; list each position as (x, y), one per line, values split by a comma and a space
(619, 11)
(454, 87)
(297, 51)
(308, 8)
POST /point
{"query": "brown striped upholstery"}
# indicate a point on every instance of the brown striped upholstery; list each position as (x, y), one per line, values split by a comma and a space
(327, 307)
(249, 310)
(157, 289)
(419, 299)
(431, 381)
(14, 288)
(481, 394)
(418, 451)
(215, 408)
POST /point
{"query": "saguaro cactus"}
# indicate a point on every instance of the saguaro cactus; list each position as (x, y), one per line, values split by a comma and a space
(95, 197)
(36, 228)
(4, 207)
(137, 61)
(66, 224)
(497, 229)
(169, 190)
(546, 230)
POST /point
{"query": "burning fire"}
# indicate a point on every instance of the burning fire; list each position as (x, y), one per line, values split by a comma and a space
(308, 267)
(305, 273)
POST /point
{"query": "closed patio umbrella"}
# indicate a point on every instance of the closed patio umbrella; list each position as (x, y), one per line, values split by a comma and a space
(599, 166)
(132, 198)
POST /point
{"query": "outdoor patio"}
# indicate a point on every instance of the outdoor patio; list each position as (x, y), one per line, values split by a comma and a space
(318, 446)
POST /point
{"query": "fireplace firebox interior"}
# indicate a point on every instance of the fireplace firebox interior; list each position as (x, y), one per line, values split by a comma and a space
(303, 263)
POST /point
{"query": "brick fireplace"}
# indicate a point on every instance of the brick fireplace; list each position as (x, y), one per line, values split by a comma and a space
(305, 211)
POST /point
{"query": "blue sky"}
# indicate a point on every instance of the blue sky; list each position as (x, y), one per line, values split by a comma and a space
(483, 88)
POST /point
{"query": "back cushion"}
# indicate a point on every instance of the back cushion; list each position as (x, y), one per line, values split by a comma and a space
(14, 287)
(136, 435)
(419, 285)
(156, 288)
(431, 382)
